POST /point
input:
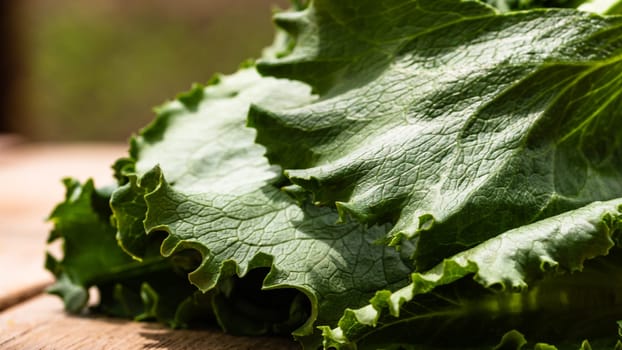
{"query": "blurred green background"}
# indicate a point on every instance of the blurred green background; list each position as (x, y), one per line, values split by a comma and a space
(93, 70)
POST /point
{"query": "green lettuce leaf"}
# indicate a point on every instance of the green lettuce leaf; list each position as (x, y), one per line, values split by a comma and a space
(198, 176)
(418, 174)
(91, 258)
(510, 5)
(605, 7)
(448, 119)
(534, 278)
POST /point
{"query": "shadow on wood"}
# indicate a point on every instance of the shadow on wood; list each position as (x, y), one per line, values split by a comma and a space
(41, 323)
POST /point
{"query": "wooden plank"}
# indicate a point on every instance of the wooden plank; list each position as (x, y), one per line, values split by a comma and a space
(30, 186)
(41, 324)
(9, 140)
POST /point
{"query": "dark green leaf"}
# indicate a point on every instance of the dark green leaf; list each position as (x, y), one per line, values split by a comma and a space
(447, 119)
(92, 258)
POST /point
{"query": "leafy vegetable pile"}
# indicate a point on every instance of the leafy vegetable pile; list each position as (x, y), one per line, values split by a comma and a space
(424, 174)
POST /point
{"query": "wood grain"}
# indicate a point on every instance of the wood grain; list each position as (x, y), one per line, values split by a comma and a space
(41, 324)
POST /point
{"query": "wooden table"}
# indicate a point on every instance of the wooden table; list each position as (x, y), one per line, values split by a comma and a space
(29, 319)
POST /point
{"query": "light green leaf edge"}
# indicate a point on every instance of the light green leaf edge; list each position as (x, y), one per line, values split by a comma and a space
(604, 7)
(508, 262)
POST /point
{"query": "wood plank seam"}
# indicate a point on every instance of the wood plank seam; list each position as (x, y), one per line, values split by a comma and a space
(22, 295)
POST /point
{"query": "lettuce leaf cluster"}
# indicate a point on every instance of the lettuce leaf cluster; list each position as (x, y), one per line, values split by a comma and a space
(428, 174)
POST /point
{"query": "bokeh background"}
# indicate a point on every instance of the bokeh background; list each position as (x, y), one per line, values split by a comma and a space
(93, 70)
